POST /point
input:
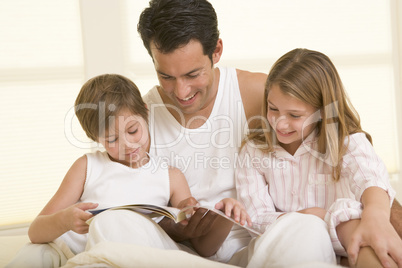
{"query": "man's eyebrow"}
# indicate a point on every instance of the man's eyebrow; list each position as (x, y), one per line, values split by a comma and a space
(193, 71)
(162, 73)
(190, 72)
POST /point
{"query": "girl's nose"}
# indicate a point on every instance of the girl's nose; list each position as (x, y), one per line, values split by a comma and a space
(281, 123)
(129, 142)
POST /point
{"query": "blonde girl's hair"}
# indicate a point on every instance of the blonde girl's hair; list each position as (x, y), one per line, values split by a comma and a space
(102, 97)
(311, 77)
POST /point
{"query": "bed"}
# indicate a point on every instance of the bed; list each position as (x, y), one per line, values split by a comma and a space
(110, 254)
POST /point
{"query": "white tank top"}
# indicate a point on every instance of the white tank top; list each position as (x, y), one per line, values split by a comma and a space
(111, 184)
(205, 155)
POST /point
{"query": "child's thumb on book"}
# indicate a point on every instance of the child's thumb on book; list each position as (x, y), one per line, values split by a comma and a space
(86, 206)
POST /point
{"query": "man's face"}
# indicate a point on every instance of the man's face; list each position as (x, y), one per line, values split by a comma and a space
(186, 77)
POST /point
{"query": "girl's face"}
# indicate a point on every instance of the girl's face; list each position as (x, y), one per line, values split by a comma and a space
(288, 117)
(127, 139)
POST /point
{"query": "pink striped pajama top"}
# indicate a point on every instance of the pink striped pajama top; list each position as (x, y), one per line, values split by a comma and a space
(270, 184)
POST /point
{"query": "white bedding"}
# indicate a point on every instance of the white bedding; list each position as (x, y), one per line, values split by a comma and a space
(9, 246)
(110, 254)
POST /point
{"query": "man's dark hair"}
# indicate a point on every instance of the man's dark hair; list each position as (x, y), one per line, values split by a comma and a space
(171, 24)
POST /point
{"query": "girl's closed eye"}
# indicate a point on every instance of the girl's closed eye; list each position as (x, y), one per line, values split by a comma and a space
(133, 132)
(295, 116)
(272, 109)
(112, 140)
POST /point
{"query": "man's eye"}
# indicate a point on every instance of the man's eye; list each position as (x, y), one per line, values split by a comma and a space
(192, 75)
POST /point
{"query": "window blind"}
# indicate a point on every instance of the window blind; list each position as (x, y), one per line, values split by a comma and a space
(41, 71)
(356, 35)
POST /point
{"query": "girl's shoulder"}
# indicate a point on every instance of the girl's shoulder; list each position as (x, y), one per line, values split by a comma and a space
(254, 149)
(358, 147)
(100, 157)
(356, 140)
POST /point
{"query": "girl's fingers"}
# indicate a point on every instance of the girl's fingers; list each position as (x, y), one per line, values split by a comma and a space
(353, 251)
(86, 206)
(382, 255)
(220, 205)
(228, 209)
(248, 219)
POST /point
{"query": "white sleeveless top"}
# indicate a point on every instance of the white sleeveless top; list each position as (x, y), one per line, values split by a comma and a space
(205, 155)
(109, 183)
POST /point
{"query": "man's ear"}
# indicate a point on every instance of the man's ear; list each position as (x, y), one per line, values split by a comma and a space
(216, 56)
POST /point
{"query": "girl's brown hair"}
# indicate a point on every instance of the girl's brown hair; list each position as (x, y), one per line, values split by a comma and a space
(311, 77)
(102, 97)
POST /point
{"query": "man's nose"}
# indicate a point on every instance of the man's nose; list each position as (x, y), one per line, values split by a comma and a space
(182, 89)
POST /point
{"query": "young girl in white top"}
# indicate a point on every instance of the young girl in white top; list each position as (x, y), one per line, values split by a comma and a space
(312, 156)
(111, 111)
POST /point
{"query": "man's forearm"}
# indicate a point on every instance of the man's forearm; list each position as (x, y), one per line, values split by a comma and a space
(396, 217)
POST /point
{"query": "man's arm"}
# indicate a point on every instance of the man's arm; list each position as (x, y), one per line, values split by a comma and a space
(198, 225)
(396, 217)
(252, 93)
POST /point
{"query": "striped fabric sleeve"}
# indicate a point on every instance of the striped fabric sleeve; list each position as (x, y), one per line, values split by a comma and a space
(252, 190)
(342, 210)
(363, 168)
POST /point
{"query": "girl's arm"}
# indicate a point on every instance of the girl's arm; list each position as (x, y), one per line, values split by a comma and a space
(206, 230)
(368, 179)
(375, 229)
(180, 197)
(252, 190)
(61, 213)
(179, 190)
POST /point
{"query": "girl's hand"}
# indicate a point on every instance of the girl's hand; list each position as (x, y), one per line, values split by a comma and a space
(191, 201)
(75, 217)
(376, 231)
(234, 209)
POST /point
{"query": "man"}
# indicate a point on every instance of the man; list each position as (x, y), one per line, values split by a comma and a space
(199, 115)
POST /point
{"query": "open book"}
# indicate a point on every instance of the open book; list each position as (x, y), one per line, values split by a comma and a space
(175, 214)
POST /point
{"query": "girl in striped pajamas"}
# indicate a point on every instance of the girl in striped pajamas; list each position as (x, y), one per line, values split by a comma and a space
(310, 155)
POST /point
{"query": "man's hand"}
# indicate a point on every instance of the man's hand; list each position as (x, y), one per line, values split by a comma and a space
(197, 225)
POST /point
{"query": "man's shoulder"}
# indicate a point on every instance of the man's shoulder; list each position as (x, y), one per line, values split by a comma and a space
(152, 96)
(251, 79)
(251, 85)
